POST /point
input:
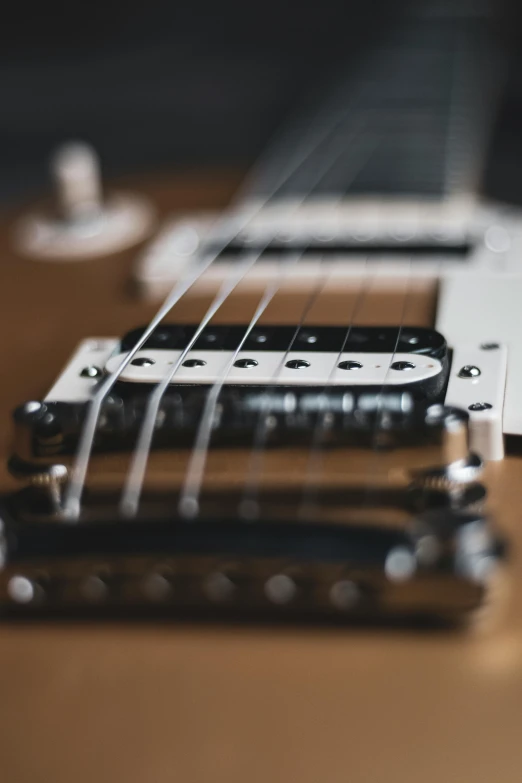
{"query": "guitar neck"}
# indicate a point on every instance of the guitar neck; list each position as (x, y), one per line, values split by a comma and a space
(415, 112)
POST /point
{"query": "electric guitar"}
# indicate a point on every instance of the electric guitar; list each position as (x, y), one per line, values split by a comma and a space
(312, 444)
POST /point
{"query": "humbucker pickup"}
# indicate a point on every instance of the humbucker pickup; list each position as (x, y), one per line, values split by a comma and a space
(392, 530)
(375, 387)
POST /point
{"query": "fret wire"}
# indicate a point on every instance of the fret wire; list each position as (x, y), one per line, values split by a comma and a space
(234, 223)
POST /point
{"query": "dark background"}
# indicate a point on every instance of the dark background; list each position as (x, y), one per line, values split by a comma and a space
(159, 86)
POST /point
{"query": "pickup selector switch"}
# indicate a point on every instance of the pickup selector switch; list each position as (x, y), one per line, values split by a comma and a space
(84, 223)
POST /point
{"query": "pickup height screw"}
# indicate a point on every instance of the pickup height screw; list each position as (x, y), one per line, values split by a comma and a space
(142, 361)
(403, 366)
(297, 364)
(351, 365)
(469, 371)
(91, 372)
(245, 364)
(480, 406)
(194, 363)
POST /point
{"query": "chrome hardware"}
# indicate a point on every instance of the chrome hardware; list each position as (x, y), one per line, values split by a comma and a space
(246, 364)
(402, 366)
(350, 365)
(280, 589)
(400, 565)
(297, 364)
(480, 406)
(218, 587)
(344, 594)
(91, 372)
(93, 588)
(143, 361)
(20, 589)
(53, 480)
(194, 363)
(469, 371)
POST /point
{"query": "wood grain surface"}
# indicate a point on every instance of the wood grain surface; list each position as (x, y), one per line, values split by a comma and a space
(162, 703)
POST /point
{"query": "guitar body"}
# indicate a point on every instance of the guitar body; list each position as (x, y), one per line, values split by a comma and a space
(232, 702)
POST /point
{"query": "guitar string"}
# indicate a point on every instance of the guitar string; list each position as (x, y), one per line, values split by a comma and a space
(370, 489)
(322, 421)
(381, 411)
(188, 505)
(310, 486)
(189, 499)
(249, 506)
(132, 488)
(234, 225)
(129, 501)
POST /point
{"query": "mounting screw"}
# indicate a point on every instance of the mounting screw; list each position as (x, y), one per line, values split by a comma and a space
(245, 364)
(20, 589)
(350, 365)
(91, 372)
(307, 337)
(297, 364)
(480, 406)
(490, 346)
(194, 363)
(157, 586)
(469, 371)
(219, 587)
(344, 594)
(280, 589)
(31, 411)
(403, 366)
(142, 361)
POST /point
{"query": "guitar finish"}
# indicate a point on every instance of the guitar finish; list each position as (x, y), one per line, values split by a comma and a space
(226, 703)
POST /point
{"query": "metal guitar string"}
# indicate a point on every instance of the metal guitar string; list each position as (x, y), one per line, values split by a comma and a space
(189, 505)
(380, 415)
(132, 488)
(310, 486)
(459, 53)
(248, 506)
(129, 502)
(322, 422)
(234, 222)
